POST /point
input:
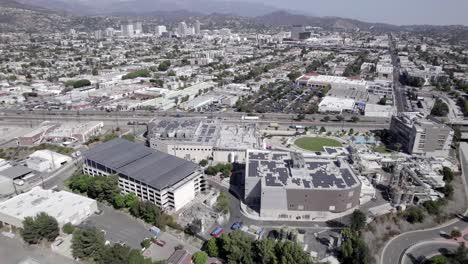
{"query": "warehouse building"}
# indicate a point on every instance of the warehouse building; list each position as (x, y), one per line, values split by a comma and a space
(64, 206)
(196, 139)
(163, 179)
(292, 186)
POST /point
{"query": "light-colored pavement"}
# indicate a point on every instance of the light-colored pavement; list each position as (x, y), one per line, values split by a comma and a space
(393, 250)
(13, 251)
(426, 250)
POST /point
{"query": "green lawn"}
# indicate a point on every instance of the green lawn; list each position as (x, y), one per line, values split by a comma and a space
(316, 143)
(382, 149)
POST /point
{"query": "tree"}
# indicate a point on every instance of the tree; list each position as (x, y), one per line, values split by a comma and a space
(383, 101)
(439, 260)
(293, 75)
(440, 108)
(95, 72)
(146, 243)
(432, 207)
(43, 226)
(339, 118)
(358, 220)
(203, 162)
(164, 65)
(222, 203)
(212, 248)
(200, 257)
(118, 201)
(326, 119)
(353, 249)
(414, 215)
(354, 119)
(448, 174)
(322, 130)
(88, 243)
(265, 249)
(68, 228)
(455, 233)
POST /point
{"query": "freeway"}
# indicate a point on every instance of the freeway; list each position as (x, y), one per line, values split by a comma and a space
(425, 250)
(395, 248)
(21, 117)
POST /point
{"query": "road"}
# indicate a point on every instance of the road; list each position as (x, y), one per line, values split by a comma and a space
(398, 90)
(395, 248)
(425, 250)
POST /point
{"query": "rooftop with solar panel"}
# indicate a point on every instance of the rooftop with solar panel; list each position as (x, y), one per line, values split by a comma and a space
(296, 171)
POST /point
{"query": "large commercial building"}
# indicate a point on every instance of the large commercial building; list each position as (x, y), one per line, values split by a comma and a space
(165, 180)
(196, 139)
(64, 206)
(420, 136)
(293, 186)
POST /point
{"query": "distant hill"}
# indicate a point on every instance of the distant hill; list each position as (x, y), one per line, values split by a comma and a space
(113, 7)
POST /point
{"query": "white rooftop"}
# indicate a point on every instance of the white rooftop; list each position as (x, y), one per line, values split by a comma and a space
(63, 206)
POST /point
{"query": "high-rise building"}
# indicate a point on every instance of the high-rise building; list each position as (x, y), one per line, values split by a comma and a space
(109, 32)
(138, 27)
(182, 30)
(98, 34)
(127, 30)
(197, 27)
(296, 30)
(160, 30)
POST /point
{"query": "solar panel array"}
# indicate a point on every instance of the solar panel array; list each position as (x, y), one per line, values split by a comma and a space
(277, 170)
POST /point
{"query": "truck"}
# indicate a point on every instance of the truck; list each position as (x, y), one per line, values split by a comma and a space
(250, 117)
(155, 231)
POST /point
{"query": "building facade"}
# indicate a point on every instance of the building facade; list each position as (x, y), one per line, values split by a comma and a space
(292, 186)
(419, 136)
(154, 176)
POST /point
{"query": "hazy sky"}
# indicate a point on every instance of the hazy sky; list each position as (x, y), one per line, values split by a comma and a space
(437, 12)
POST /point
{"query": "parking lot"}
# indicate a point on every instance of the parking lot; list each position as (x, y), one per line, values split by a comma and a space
(119, 226)
(14, 251)
(156, 252)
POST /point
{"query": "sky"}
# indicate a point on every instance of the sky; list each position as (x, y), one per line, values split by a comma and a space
(398, 12)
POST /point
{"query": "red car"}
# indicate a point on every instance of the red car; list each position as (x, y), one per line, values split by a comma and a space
(217, 232)
(160, 242)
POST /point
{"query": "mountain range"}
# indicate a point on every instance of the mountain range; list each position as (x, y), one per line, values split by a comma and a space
(54, 15)
(112, 7)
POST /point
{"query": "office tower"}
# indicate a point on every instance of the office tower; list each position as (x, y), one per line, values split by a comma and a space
(197, 27)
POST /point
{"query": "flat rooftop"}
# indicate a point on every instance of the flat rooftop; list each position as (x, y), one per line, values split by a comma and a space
(62, 205)
(294, 171)
(205, 132)
(155, 168)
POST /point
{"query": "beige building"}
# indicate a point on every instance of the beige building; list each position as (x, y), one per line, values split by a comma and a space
(196, 139)
(420, 136)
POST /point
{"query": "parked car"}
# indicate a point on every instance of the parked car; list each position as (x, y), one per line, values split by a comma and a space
(217, 232)
(160, 242)
(236, 225)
